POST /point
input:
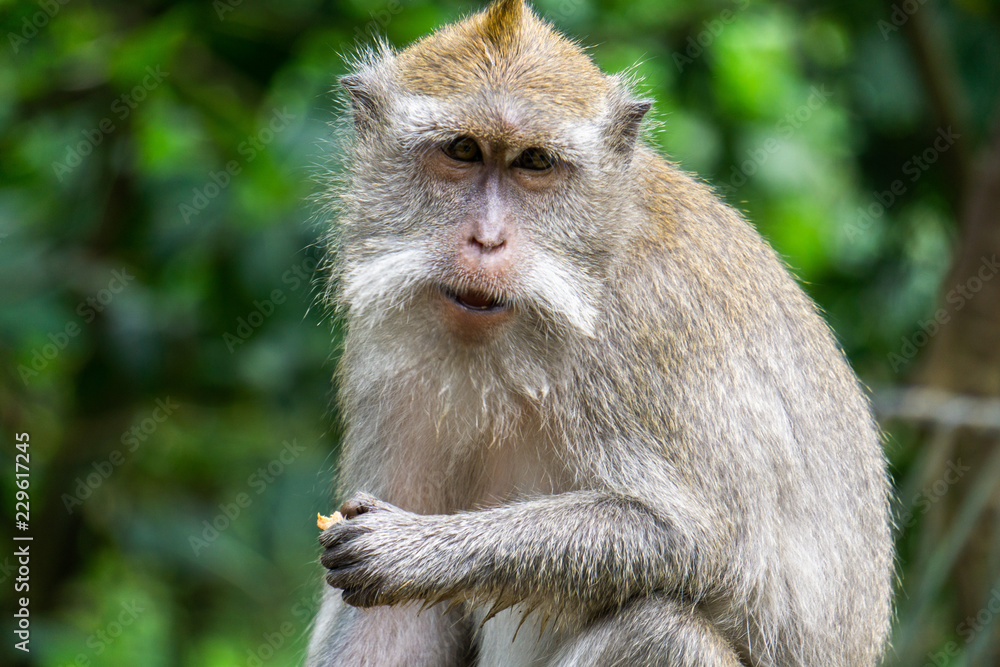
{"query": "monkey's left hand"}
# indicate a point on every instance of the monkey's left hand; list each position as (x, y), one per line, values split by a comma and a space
(379, 554)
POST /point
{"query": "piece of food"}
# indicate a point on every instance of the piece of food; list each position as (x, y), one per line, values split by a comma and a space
(324, 522)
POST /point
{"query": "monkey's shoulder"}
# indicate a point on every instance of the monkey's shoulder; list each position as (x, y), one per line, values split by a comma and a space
(699, 287)
(692, 253)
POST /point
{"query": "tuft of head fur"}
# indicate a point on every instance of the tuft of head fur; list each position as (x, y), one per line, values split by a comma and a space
(506, 50)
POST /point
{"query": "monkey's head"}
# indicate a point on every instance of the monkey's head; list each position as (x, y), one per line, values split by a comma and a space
(489, 181)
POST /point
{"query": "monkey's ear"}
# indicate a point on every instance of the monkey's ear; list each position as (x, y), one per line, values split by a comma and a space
(626, 122)
(364, 103)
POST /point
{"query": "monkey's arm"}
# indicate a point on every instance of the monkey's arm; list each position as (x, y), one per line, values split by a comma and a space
(559, 553)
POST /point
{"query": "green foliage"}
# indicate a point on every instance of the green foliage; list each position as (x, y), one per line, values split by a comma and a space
(158, 247)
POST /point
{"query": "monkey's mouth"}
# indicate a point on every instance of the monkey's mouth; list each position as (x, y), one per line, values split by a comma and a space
(476, 301)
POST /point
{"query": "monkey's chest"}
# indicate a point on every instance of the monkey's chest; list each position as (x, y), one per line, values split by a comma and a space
(464, 454)
(523, 464)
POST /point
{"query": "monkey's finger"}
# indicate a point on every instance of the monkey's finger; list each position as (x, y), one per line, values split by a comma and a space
(342, 548)
(346, 550)
(349, 577)
(341, 533)
(341, 557)
(361, 597)
(361, 503)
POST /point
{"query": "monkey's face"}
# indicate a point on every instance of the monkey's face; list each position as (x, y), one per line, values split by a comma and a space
(483, 218)
(487, 248)
(489, 186)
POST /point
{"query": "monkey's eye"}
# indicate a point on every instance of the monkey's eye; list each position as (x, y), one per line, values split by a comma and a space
(463, 149)
(536, 159)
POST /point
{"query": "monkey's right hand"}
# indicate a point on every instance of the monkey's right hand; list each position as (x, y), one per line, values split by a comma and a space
(377, 555)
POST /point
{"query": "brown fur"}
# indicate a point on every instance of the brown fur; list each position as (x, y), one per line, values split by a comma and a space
(507, 47)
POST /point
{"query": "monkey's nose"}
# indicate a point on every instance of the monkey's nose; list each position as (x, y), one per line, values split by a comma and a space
(486, 253)
(487, 243)
(486, 248)
(486, 233)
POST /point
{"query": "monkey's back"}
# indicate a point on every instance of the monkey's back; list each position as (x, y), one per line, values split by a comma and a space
(718, 371)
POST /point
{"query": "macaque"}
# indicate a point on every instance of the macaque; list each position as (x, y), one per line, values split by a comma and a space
(590, 418)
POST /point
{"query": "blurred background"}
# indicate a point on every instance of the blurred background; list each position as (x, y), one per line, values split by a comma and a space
(163, 343)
